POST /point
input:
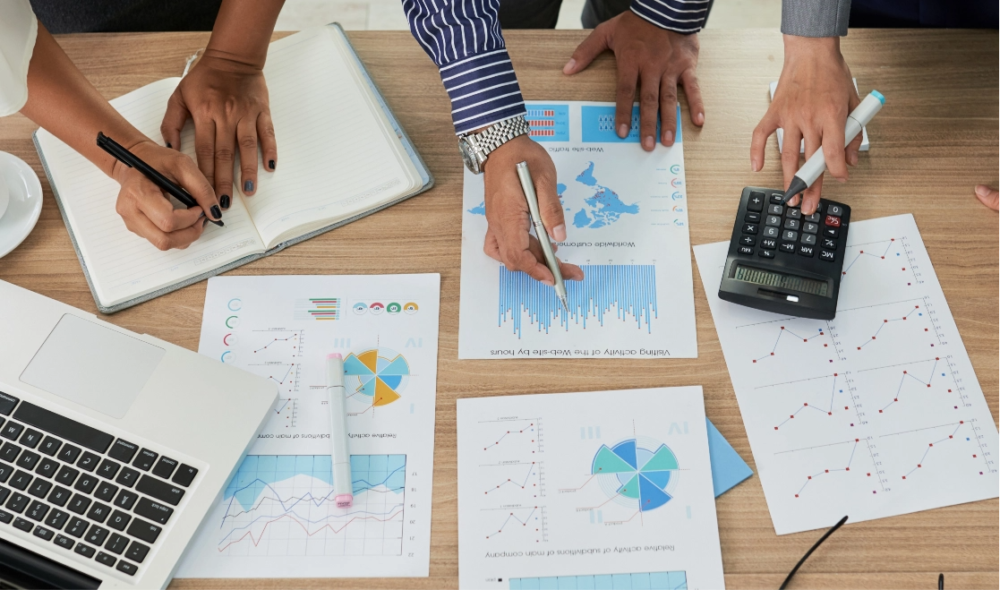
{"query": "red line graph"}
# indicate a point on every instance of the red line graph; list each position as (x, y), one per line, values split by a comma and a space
(529, 428)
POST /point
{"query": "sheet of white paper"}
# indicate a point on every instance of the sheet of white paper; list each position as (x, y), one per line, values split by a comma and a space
(277, 518)
(626, 220)
(587, 490)
(875, 413)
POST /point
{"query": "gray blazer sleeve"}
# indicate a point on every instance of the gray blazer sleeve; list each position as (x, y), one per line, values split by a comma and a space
(815, 18)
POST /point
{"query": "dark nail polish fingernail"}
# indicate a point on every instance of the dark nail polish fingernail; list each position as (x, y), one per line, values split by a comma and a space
(224, 201)
(270, 164)
(216, 213)
(248, 186)
(168, 145)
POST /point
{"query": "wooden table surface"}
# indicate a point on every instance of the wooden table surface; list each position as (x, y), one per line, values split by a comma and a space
(935, 139)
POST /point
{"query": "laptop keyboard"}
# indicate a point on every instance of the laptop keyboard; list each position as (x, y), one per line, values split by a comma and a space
(102, 498)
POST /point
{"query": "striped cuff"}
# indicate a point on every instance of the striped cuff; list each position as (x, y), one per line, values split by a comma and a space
(483, 90)
(679, 16)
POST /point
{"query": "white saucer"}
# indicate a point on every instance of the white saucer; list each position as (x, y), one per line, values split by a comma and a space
(25, 202)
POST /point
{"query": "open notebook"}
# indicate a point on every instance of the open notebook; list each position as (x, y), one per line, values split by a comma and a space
(342, 156)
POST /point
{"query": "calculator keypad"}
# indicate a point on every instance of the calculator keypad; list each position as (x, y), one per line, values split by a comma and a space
(785, 229)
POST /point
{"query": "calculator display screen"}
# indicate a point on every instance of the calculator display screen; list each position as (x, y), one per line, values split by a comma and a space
(769, 278)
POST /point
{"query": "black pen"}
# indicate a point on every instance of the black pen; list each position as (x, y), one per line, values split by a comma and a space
(132, 161)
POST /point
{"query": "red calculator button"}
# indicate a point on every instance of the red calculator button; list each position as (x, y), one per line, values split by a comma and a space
(832, 221)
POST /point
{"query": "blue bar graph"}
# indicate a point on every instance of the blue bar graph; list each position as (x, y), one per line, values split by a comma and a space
(631, 288)
(637, 581)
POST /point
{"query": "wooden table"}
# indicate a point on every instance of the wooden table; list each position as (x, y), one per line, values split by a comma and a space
(936, 139)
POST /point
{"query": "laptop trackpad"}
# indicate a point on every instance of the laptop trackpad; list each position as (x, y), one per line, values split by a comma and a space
(93, 365)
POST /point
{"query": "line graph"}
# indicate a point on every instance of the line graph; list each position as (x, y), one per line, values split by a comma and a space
(525, 476)
(513, 435)
(530, 520)
(629, 288)
(883, 328)
(838, 400)
(288, 408)
(881, 257)
(794, 336)
(954, 451)
(837, 459)
(283, 505)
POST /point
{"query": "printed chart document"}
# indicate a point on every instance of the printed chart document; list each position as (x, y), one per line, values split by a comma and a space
(277, 518)
(874, 413)
(606, 489)
(627, 228)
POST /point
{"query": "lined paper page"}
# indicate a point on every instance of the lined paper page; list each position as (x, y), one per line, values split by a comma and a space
(335, 159)
(123, 265)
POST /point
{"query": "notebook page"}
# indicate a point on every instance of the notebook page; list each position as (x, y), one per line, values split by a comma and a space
(123, 265)
(334, 158)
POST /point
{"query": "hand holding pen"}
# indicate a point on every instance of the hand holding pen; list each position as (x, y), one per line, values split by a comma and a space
(142, 201)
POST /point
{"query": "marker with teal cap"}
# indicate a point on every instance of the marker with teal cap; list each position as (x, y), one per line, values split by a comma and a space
(816, 164)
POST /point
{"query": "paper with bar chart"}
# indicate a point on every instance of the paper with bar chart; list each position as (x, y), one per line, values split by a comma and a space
(875, 413)
(587, 490)
(627, 226)
(277, 517)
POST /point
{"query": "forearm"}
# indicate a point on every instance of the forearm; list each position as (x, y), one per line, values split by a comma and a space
(679, 16)
(243, 30)
(63, 101)
(815, 18)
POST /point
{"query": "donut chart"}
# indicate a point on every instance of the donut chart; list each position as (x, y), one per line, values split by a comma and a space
(379, 373)
(637, 473)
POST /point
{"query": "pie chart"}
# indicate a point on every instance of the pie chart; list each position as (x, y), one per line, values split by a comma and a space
(631, 471)
(379, 373)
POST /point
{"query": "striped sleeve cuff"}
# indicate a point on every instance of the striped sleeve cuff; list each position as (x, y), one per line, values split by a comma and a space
(483, 90)
(680, 16)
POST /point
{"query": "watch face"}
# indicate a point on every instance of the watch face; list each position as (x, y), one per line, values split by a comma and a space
(468, 155)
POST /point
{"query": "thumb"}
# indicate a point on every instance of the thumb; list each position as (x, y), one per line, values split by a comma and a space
(550, 207)
(586, 52)
(988, 196)
(174, 120)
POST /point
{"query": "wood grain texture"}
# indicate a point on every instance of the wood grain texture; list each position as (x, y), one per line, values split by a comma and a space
(936, 138)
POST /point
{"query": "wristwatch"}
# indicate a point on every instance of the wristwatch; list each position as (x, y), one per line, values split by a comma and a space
(476, 147)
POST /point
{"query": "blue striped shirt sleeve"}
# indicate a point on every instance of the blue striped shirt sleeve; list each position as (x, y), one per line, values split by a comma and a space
(680, 16)
(463, 38)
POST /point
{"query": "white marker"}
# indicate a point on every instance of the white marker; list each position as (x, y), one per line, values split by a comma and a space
(343, 487)
(816, 164)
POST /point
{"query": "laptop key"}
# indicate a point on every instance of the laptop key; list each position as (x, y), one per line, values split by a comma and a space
(31, 438)
(108, 469)
(78, 504)
(17, 502)
(59, 496)
(116, 544)
(106, 491)
(20, 481)
(56, 519)
(28, 460)
(143, 530)
(64, 542)
(84, 550)
(122, 450)
(7, 403)
(47, 468)
(40, 488)
(69, 453)
(155, 511)
(119, 520)
(126, 568)
(6, 517)
(77, 527)
(96, 535)
(185, 475)
(98, 512)
(37, 511)
(159, 490)
(144, 460)
(63, 427)
(9, 452)
(67, 475)
(125, 499)
(88, 462)
(50, 446)
(164, 467)
(11, 430)
(86, 483)
(43, 533)
(4, 492)
(137, 552)
(127, 477)
(105, 559)
(24, 525)
(5, 471)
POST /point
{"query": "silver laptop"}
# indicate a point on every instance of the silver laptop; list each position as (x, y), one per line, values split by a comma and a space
(113, 446)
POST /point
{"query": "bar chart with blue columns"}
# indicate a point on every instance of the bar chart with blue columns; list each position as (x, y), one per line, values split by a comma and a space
(625, 212)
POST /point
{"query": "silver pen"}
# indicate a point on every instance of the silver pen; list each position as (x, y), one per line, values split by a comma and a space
(528, 185)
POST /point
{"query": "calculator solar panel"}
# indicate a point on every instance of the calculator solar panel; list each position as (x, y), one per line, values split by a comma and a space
(783, 261)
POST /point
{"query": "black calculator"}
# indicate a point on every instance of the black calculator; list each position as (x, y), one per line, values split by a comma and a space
(783, 261)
